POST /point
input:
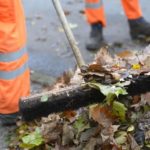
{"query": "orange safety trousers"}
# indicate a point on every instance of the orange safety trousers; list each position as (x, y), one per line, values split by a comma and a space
(14, 71)
(95, 10)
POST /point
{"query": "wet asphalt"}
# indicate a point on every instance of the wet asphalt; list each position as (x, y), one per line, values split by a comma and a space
(48, 47)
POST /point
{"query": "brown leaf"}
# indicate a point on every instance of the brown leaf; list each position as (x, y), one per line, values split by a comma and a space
(91, 144)
(96, 68)
(126, 54)
(145, 98)
(110, 145)
(133, 143)
(65, 78)
(116, 76)
(69, 115)
(147, 62)
(102, 115)
(50, 118)
(85, 136)
(68, 134)
(136, 99)
(66, 12)
(147, 135)
(82, 12)
(103, 57)
(51, 131)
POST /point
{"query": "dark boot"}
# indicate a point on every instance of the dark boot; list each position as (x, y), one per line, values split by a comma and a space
(95, 40)
(8, 119)
(139, 28)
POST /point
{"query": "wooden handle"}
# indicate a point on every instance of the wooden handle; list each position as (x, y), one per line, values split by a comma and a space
(68, 33)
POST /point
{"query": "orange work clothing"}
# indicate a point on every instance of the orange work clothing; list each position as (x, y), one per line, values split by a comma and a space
(14, 71)
(95, 11)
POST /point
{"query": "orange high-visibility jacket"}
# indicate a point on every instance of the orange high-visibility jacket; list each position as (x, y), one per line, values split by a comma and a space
(14, 71)
(95, 11)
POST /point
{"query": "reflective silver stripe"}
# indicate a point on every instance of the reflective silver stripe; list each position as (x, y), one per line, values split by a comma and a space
(7, 75)
(94, 5)
(12, 56)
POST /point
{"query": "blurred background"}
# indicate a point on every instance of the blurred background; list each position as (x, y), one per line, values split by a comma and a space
(49, 50)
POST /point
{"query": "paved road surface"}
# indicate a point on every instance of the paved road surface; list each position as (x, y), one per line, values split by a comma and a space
(49, 50)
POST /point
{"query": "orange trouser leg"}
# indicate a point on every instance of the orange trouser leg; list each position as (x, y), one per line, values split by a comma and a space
(95, 11)
(132, 9)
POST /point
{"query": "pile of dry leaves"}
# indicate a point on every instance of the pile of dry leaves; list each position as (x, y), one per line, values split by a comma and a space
(121, 122)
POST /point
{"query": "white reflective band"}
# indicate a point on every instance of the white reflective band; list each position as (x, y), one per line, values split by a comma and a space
(8, 75)
(12, 56)
(94, 5)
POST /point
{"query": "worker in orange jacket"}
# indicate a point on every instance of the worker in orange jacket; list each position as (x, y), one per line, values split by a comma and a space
(14, 71)
(139, 27)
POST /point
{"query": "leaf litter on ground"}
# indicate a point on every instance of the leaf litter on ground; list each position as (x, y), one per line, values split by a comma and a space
(115, 124)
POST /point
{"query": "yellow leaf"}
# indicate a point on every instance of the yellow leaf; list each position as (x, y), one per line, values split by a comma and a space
(131, 128)
(136, 66)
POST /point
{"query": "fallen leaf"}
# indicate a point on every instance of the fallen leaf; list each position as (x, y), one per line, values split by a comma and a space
(110, 145)
(108, 89)
(136, 66)
(103, 57)
(147, 62)
(103, 116)
(125, 54)
(81, 124)
(133, 143)
(86, 135)
(121, 137)
(96, 68)
(119, 110)
(44, 98)
(131, 128)
(69, 115)
(147, 136)
(82, 12)
(136, 99)
(145, 98)
(68, 134)
(66, 12)
(91, 144)
(51, 131)
(32, 140)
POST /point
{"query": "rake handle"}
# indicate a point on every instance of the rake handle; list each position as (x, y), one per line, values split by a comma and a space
(68, 32)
